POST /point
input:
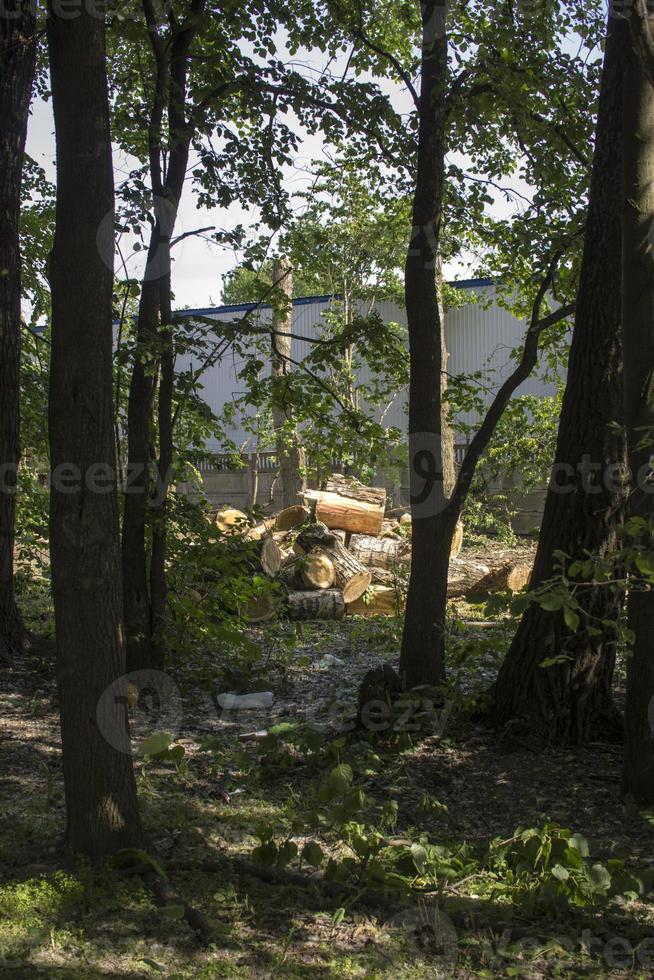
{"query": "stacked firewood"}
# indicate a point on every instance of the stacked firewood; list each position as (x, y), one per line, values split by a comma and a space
(342, 552)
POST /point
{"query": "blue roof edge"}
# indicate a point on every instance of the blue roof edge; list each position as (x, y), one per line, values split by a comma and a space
(307, 300)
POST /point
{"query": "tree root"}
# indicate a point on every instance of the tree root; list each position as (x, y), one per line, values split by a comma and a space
(164, 894)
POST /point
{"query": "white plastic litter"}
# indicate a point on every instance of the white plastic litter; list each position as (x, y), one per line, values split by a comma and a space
(329, 660)
(242, 702)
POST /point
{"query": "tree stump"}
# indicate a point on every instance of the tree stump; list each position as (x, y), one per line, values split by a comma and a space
(379, 688)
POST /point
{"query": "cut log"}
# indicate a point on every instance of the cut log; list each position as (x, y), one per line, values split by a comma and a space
(382, 576)
(312, 571)
(492, 574)
(230, 520)
(288, 556)
(259, 530)
(379, 600)
(325, 604)
(288, 518)
(464, 574)
(387, 552)
(291, 517)
(384, 552)
(350, 575)
(260, 610)
(349, 486)
(270, 556)
(347, 513)
(317, 571)
(511, 576)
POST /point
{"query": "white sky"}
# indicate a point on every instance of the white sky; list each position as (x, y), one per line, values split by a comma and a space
(199, 265)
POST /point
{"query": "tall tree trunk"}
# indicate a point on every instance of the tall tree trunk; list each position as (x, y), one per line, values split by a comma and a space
(422, 656)
(142, 622)
(638, 356)
(290, 454)
(571, 701)
(434, 515)
(100, 789)
(142, 392)
(17, 59)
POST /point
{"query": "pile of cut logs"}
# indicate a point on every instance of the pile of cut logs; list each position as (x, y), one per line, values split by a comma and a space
(342, 552)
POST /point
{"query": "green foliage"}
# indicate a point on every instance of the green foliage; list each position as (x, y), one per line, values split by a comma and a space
(517, 461)
(628, 566)
(246, 284)
(212, 580)
(549, 868)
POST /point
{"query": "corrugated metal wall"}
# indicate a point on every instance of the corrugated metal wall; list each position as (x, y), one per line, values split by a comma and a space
(479, 338)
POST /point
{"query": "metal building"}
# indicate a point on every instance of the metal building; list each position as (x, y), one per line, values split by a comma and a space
(480, 336)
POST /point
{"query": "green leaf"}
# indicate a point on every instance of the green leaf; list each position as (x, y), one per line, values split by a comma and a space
(340, 778)
(579, 843)
(286, 853)
(338, 917)
(265, 853)
(173, 911)
(419, 855)
(571, 619)
(312, 854)
(551, 603)
(599, 876)
(155, 743)
(560, 872)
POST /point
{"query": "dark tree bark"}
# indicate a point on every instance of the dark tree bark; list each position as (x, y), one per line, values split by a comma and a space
(158, 583)
(434, 514)
(422, 656)
(145, 647)
(290, 455)
(571, 701)
(100, 789)
(17, 59)
(638, 358)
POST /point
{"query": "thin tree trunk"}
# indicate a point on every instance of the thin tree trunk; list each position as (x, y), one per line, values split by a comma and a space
(141, 620)
(17, 59)
(142, 391)
(571, 701)
(290, 454)
(638, 356)
(447, 429)
(99, 783)
(158, 584)
(422, 656)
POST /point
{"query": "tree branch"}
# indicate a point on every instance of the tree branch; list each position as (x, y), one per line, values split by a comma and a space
(524, 368)
(188, 234)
